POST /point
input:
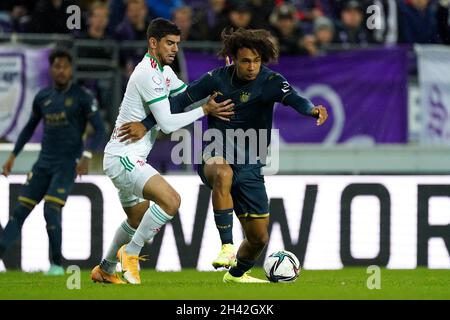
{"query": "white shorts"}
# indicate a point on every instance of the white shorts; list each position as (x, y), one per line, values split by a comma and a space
(129, 175)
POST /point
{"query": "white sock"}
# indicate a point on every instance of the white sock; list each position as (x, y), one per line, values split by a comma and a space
(151, 223)
(122, 236)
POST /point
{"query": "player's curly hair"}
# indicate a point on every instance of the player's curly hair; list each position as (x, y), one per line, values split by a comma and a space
(258, 40)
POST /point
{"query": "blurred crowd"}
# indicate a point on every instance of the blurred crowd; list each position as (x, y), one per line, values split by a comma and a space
(300, 26)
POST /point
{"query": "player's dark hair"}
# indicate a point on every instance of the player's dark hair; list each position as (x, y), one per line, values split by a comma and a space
(59, 53)
(258, 40)
(160, 27)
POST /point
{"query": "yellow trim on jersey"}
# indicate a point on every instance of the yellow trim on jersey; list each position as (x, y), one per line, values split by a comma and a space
(253, 215)
(54, 199)
(27, 200)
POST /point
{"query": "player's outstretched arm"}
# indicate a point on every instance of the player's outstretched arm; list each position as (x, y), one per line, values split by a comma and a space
(134, 131)
(23, 138)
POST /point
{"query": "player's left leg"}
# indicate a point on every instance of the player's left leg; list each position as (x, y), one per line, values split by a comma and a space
(61, 184)
(30, 195)
(252, 208)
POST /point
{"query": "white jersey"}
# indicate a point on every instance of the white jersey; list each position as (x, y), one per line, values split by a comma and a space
(149, 85)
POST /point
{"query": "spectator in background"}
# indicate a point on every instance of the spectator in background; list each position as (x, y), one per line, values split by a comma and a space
(16, 14)
(263, 10)
(182, 17)
(133, 27)
(97, 24)
(417, 22)
(351, 29)
(164, 8)
(323, 37)
(208, 17)
(96, 30)
(287, 30)
(443, 20)
(49, 16)
(240, 14)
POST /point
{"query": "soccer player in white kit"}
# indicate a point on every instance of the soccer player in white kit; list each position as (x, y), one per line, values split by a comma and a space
(148, 89)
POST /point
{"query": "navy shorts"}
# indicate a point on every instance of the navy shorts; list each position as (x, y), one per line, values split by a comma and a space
(53, 183)
(247, 190)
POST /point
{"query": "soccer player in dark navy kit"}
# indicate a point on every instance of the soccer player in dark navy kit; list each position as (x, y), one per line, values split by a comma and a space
(65, 108)
(234, 173)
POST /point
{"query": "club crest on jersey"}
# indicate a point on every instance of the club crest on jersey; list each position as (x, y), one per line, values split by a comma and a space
(168, 82)
(244, 96)
(68, 102)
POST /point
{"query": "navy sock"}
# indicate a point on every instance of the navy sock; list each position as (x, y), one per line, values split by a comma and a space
(14, 226)
(224, 223)
(243, 265)
(52, 214)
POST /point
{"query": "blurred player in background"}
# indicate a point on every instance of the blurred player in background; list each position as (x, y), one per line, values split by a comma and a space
(66, 108)
(148, 90)
(236, 184)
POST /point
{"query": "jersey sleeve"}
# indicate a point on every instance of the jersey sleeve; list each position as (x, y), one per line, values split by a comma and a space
(177, 86)
(278, 89)
(29, 128)
(202, 87)
(89, 103)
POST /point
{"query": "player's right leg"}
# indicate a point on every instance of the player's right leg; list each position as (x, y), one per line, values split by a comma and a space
(31, 194)
(166, 204)
(219, 175)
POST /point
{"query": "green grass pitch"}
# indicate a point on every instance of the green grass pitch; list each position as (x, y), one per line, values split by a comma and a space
(348, 283)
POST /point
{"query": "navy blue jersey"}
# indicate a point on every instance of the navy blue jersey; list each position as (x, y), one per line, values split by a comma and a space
(65, 114)
(249, 137)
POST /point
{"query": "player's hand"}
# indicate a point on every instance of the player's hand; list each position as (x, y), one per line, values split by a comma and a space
(132, 131)
(321, 114)
(222, 110)
(82, 166)
(7, 167)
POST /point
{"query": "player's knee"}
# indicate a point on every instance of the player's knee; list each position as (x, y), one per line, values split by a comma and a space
(223, 176)
(52, 213)
(259, 240)
(21, 212)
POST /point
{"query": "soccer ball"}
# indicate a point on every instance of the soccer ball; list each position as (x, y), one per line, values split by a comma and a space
(282, 266)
